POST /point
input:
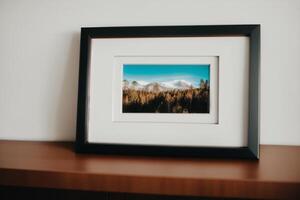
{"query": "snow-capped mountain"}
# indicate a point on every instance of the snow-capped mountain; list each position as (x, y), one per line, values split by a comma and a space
(157, 86)
(134, 85)
(178, 84)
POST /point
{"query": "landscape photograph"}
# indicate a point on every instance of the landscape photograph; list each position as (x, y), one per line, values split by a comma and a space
(165, 88)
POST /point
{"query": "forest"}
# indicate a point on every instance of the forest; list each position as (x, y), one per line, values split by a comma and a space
(191, 100)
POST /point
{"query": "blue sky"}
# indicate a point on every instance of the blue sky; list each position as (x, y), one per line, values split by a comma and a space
(166, 72)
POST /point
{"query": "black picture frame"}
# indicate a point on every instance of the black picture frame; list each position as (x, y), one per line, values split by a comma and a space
(252, 31)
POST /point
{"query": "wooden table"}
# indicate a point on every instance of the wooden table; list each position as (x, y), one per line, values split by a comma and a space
(55, 165)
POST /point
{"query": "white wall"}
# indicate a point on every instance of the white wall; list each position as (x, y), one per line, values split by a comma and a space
(39, 49)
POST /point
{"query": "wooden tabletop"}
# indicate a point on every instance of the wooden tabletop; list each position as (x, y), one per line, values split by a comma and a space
(56, 165)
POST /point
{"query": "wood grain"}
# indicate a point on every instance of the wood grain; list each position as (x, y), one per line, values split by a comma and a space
(55, 165)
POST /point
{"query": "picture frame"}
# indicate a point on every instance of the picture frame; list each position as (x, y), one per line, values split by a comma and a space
(88, 34)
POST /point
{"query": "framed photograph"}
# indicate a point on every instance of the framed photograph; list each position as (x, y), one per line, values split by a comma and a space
(188, 91)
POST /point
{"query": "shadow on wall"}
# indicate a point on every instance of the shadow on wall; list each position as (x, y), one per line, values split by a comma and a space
(65, 122)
